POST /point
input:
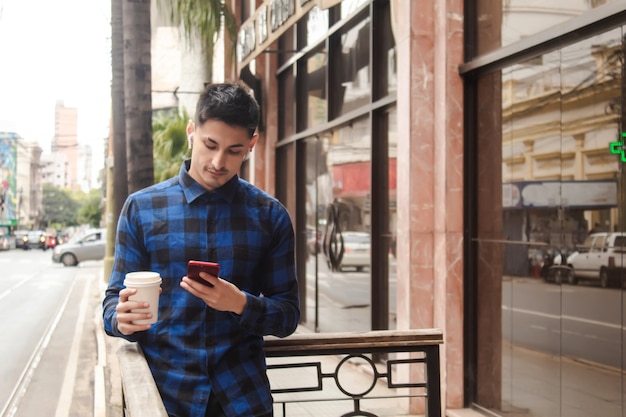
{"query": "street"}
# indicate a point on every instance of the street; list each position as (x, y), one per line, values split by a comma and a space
(344, 298)
(47, 331)
(578, 321)
(561, 348)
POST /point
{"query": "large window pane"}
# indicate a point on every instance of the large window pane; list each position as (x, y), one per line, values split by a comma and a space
(315, 85)
(349, 7)
(550, 304)
(504, 22)
(286, 104)
(338, 216)
(352, 82)
(316, 25)
(392, 187)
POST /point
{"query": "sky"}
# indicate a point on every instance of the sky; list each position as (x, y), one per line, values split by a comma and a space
(54, 50)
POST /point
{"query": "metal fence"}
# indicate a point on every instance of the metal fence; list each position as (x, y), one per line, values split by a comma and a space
(302, 366)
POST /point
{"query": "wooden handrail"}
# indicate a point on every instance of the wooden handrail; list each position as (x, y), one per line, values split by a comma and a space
(141, 396)
(320, 343)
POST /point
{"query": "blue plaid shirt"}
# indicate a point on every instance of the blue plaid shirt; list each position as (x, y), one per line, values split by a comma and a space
(194, 350)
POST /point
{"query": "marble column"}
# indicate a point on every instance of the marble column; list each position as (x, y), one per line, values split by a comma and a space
(429, 40)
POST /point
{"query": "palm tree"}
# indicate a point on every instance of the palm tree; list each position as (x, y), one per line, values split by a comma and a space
(203, 19)
(170, 144)
(138, 93)
(118, 119)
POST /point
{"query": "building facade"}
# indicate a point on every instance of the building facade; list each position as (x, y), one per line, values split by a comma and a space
(437, 157)
(65, 139)
(54, 170)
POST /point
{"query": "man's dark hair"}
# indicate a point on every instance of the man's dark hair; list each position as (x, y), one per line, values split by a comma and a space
(229, 103)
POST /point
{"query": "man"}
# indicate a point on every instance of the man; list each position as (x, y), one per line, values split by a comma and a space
(206, 349)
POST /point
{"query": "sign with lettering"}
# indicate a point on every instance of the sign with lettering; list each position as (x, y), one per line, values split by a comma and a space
(269, 21)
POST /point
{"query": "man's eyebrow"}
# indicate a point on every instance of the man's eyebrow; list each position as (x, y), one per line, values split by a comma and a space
(214, 142)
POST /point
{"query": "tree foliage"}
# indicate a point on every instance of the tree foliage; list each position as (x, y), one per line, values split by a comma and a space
(203, 18)
(63, 208)
(90, 211)
(59, 208)
(170, 143)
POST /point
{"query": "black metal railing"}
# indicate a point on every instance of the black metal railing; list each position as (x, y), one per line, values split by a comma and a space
(382, 355)
(422, 348)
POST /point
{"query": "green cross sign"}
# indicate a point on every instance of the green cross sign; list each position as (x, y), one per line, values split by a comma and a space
(619, 147)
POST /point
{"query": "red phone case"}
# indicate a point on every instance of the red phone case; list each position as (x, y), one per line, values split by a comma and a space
(195, 267)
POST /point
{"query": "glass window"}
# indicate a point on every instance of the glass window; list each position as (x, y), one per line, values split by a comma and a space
(338, 228)
(348, 7)
(501, 23)
(544, 128)
(352, 82)
(287, 45)
(286, 104)
(384, 59)
(315, 85)
(392, 154)
(316, 25)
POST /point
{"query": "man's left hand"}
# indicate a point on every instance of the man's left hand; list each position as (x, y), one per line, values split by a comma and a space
(222, 296)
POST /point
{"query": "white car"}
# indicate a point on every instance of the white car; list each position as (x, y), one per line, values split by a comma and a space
(356, 250)
(601, 257)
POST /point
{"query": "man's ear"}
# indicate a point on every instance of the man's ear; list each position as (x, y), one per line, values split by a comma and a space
(190, 130)
(252, 142)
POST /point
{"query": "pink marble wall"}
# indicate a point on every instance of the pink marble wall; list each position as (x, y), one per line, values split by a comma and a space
(430, 157)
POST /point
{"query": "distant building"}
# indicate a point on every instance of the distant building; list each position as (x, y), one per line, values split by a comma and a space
(65, 139)
(8, 179)
(84, 180)
(54, 170)
(20, 173)
(78, 158)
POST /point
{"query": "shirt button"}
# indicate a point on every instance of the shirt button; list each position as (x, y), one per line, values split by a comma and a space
(210, 342)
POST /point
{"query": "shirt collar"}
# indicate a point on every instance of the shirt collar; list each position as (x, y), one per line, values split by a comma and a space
(193, 190)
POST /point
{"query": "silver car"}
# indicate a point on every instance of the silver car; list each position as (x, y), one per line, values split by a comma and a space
(88, 246)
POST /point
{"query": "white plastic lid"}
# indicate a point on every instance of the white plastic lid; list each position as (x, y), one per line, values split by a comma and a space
(142, 278)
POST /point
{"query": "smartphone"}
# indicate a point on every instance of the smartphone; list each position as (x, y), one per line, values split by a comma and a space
(195, 267)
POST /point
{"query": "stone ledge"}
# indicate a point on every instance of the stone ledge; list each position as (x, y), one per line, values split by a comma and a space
(463, 412)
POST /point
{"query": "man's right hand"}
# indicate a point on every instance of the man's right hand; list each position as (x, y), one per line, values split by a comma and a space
(125, 317)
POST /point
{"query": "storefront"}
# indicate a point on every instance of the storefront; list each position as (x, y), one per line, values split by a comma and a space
(397, 133)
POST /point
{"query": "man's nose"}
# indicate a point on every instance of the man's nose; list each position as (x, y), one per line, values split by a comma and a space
(219, 159)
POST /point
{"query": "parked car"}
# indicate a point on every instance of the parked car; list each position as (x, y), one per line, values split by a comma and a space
(88, 246)
(6, 242)
(601, 257)
(356, 250)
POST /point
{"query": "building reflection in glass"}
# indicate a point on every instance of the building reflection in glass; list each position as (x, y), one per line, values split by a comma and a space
(556, 333)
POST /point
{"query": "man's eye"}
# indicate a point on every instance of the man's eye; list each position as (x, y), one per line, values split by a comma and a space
(234, 152)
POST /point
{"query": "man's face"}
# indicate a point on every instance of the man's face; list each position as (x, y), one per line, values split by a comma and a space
(217, 152)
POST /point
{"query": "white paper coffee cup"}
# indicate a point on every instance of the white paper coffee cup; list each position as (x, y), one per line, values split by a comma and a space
(147, 284)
